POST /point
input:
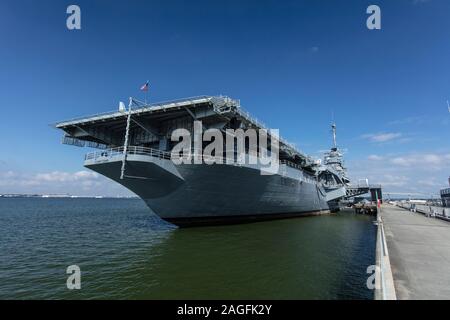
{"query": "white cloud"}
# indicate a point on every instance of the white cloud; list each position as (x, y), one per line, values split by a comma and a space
(429, 182)
(374, 157)
(57, 176)
(401, 161)
(421, 120)
(11, 178)
(7, 174)
(411, 120)
(382, 136)
(76, 183)
(388, 180)
(430, 160)
(421, 173)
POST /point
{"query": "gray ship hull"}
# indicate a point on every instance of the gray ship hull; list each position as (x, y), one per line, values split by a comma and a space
(201, 194)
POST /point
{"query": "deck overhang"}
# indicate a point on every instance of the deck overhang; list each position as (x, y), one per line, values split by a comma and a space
(152, 123)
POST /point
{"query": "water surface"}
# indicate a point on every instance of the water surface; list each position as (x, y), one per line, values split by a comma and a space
(126, 252)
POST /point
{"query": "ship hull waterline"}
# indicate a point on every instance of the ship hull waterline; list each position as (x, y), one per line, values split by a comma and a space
(189, 195)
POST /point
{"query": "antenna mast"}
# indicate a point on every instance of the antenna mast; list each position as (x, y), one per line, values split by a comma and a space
(333, 127)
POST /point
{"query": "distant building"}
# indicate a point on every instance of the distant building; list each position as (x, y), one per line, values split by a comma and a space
(445, 195)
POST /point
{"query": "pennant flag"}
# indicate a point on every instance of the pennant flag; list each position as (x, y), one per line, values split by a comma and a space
(145, 87)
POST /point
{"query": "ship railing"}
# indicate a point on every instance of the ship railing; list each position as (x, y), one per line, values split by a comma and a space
(138, 150)
(228, 157)
(233, 159)
(131, 150)
(140, 107)
(168, 102)
(291, 164)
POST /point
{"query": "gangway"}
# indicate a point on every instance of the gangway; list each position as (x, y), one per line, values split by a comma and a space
(373, 189)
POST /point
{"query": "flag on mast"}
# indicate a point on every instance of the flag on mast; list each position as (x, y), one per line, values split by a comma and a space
(145, 87)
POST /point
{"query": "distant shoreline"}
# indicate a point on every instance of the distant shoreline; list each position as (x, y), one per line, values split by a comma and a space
(57, 196)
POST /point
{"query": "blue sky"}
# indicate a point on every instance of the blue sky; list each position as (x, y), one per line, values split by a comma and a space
(291, 63)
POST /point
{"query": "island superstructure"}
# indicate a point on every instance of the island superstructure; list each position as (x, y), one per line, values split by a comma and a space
(135, 149)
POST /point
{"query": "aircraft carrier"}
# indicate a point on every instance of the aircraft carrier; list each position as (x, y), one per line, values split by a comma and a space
(134, 148)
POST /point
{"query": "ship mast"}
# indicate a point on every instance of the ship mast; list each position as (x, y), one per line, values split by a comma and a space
(333, 128)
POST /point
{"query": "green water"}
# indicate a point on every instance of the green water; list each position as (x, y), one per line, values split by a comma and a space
(125, 252)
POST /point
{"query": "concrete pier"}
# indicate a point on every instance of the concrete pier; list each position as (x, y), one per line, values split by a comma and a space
(419, 253)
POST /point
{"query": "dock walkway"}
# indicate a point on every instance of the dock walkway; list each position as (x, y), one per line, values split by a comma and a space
(419, 252)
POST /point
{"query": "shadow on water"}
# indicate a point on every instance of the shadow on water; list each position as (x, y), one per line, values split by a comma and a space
(304, 258)
(361, 250)
(126, 253)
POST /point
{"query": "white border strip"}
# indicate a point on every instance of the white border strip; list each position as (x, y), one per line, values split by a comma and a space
(385, 279)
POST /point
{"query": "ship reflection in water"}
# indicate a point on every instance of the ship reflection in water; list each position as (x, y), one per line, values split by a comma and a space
(125, 252)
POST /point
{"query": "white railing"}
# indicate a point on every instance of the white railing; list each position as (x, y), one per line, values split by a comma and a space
(138, 109)
(291, 164)
(104, 155)
(136, 150)
(385, 289)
